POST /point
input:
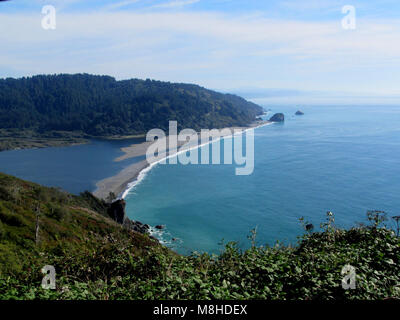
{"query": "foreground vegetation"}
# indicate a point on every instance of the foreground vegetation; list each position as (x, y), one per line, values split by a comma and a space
(97, 259)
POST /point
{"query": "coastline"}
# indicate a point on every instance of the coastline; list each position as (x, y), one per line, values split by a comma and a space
(130, 176)
(10, 144)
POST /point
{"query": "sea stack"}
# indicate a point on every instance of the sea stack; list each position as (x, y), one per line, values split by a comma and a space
(277, 117)
(299, 113)
(116, 211)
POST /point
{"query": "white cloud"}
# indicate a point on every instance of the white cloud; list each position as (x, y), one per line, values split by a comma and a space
(175, 4)
(306, 5)
(121, 4)
(215, 50)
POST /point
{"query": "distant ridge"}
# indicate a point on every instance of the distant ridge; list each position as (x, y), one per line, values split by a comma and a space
(102, 106)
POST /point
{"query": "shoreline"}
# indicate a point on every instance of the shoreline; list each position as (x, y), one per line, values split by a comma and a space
(123, 182)
(13, 144)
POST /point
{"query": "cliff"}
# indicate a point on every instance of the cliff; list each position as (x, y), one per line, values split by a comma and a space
(36, 219)
(116, 211)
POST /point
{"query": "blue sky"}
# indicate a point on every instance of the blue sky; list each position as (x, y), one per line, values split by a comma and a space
(270, 51)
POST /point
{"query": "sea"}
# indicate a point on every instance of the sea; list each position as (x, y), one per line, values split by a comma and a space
(343, 159)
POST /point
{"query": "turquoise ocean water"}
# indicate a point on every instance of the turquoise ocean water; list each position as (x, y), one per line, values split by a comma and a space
(342, 159)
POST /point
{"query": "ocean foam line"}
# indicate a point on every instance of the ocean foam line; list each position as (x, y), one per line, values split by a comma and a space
(165, 237)
(142, 174)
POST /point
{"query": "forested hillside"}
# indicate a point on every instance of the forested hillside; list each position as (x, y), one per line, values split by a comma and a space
(102, 106)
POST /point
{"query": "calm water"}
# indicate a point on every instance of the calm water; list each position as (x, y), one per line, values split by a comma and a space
(343, 159)
(74, 169)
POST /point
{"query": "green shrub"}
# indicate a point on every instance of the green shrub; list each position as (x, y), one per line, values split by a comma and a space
(12, 219)
(2, 231)
(312, 270)
(10, 263)
(58, 212)
(5, 193)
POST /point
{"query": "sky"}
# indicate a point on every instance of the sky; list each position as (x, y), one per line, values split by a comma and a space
(272, 52)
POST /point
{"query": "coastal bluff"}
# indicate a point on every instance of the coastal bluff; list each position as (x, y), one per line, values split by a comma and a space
(116, 211)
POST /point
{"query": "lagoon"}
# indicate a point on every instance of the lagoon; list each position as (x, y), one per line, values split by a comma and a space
(73, 168)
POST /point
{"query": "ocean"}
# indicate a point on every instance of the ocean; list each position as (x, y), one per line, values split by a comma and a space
(333, 158)
(340, 159)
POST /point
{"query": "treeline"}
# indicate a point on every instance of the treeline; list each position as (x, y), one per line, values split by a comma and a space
(102, 106)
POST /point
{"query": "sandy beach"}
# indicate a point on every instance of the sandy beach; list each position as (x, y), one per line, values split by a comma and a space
(127, 178)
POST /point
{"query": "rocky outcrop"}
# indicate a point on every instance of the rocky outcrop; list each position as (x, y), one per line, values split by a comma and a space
(116, 211)
(277, 117)
(136, 226)
(310, 227)
(299, 113)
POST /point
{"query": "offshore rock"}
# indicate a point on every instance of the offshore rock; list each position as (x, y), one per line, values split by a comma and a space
(277, 117)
